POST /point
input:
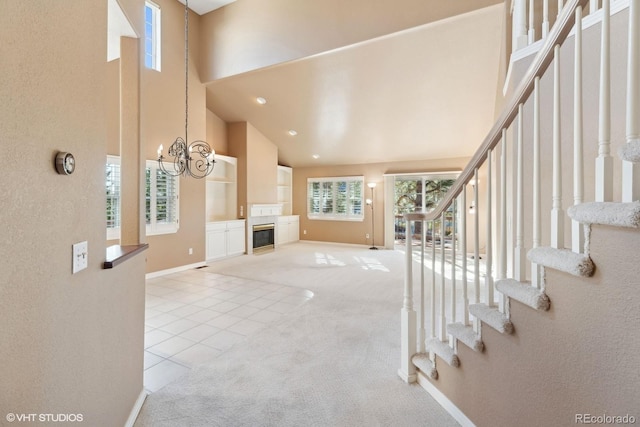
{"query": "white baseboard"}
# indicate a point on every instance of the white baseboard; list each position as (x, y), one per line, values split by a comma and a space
(320, 242)
(136, 409)
(161, 273)
(444, 401)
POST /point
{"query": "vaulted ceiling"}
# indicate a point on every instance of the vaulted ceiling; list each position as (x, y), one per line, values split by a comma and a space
(424, 92)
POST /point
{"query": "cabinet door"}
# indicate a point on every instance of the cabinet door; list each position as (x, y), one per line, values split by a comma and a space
(216, 244)
(283, 232)
(294, 230)
(235, 240)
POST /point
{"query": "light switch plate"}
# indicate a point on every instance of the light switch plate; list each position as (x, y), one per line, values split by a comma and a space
(80, 256)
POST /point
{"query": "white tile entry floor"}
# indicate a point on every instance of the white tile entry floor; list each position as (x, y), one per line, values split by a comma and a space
(194, 316)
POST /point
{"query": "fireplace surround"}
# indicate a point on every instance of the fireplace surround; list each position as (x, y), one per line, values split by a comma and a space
(258, 215)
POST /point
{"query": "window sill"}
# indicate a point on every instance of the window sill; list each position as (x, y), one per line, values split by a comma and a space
(334, 218)
(118, 254)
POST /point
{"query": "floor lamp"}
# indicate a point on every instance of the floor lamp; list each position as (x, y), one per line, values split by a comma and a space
(372, 185)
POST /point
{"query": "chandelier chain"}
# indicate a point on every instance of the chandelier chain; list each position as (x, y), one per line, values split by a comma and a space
(186, 70)
(195, 159)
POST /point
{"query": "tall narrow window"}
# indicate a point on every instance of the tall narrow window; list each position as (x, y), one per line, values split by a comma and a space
(152, 36)
(161, 197)
(112, 181)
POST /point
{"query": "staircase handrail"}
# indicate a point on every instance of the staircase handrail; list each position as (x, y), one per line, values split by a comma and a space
(541, 62)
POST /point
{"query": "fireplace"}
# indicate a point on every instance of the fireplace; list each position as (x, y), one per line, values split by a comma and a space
(263, 237)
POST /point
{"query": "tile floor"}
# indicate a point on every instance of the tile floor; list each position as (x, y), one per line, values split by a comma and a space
(194, 316)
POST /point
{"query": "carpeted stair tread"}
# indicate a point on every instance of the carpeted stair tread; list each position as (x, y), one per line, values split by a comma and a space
(524, 293)
(466, 335)
(564, 260)
(422, 362)
(607, 213)
(443, 350)
(492, 317)
(631, 151)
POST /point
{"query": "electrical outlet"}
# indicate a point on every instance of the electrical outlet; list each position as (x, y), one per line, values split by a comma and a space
(366, 235)
(80, 256)
(190, 251)
(304, 232)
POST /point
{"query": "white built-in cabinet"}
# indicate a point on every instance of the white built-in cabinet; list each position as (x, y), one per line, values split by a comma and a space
(285, 185)
(225, 234)
(222, 190)
(225, 238)
(288, 229)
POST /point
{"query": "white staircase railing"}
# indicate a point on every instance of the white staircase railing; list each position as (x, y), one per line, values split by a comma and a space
(508, 167)
(531, 19)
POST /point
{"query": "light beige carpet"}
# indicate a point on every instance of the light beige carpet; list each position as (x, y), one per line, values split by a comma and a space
(331, 362)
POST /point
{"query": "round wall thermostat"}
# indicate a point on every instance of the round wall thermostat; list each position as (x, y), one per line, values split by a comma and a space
(65, 163)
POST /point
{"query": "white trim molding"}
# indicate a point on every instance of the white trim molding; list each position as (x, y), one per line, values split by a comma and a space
(161, 273)
(135, 411)
(444, 401)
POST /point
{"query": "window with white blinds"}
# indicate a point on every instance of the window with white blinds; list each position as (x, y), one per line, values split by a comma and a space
(112, 181)
(161, 200)
(336, 198)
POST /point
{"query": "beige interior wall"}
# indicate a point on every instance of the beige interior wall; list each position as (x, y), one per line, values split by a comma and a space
(112, 99)
(217, 133)
(252, 34)
(257, 165)
(237, 140)
(350, 231)
(262, 168)
(69, 343)
(132, 205)
(162, 121)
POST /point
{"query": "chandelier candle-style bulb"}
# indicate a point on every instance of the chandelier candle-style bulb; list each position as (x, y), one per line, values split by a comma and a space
(160, 151)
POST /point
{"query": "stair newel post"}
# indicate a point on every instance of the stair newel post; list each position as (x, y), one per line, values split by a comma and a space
(531, 34)
(631, 170)
(577, 230)
(476, 248)
(545, 18)
(536, 272)
(557, 215)
(442, 331)
(489, 252)
(423, 312)
(519, 259)
(463, 250)
(519, 21)
(604, 162)
(433, 279)
(502, 269)
(454, 242)
(407, 370)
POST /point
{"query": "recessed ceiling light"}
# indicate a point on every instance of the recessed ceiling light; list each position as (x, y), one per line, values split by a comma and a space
(261, 100)
(315, 156)
(292, 132)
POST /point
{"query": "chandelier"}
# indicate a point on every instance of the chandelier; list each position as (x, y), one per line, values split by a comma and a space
(194, 159)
